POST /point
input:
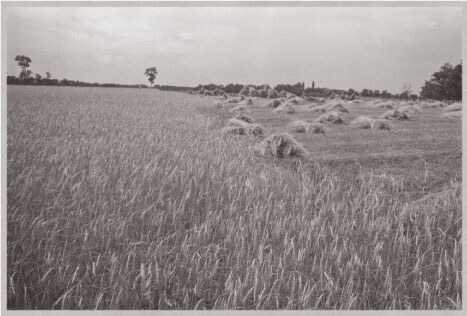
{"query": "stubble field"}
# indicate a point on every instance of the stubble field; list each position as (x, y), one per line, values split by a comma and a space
(135, 199)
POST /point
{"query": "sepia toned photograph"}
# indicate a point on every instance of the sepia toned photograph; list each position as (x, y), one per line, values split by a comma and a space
(231, 156)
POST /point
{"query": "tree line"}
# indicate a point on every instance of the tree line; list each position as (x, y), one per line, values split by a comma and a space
(445, 84)
(26, 77)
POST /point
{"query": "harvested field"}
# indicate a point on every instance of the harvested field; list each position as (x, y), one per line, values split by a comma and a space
(161, 202)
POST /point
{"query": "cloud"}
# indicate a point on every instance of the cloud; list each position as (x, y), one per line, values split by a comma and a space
(356, 47)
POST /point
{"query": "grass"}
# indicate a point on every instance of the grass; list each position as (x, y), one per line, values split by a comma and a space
(133, 199)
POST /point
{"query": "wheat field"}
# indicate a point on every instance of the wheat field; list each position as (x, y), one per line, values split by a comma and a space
(134, 199)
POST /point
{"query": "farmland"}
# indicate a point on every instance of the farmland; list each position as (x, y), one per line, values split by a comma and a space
(135, 199)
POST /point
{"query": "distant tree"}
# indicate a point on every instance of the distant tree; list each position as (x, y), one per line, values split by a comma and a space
(24, 63)
(313, 85)
(37, 79)
(151, 73)
(28, 74)
(406, 90)
(445, 84)
(48, 75)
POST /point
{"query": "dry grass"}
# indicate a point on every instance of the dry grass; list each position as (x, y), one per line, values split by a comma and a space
(116, 201)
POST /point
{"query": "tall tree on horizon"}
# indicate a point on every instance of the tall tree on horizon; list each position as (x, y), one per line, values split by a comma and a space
(445, 84)
(48, 75)
(24, 63)
(151, 73)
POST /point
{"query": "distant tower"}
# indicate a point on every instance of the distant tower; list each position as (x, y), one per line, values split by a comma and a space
(313, 85)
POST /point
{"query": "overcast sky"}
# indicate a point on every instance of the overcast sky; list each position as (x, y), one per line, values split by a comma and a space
(375, 48)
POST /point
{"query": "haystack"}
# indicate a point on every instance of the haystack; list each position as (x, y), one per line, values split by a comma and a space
(281, 145)
(396, 115)
(362, 122)
(299, 126)
(380, 124)
(274, 103)
(218, 104)
(254, 92)
(409, 109)
(293, 101)
(247, 102)
(320, 108)
(315, 100)
(385, 105)
(453, 107)
(272, 94)
(428, 105)
(330, 117)
(231, 101)
(285, 108)
(218, 92)
(237, 109)
(240, 127)
(245, 118)
(337, 107)
(453, 115)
